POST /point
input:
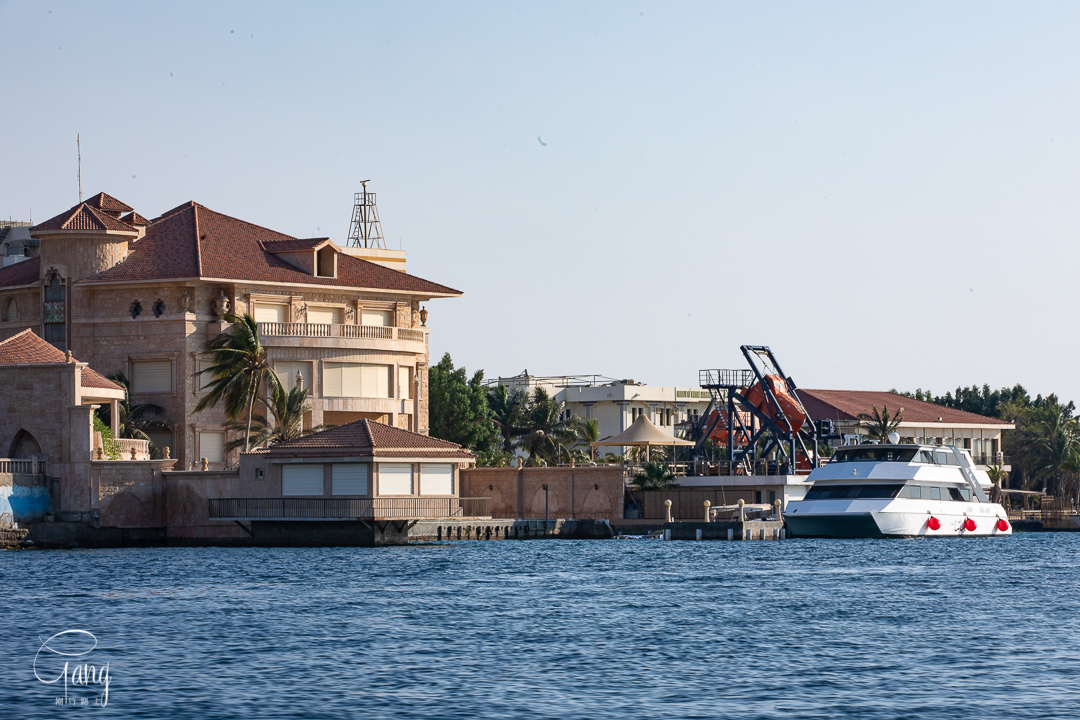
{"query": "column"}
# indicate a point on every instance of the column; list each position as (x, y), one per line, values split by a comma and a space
(114, 417)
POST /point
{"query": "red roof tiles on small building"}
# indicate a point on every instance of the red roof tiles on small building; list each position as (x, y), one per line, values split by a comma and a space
(135, 219)
(109, 204)
(84, 217)
(26, 348)
(847, 405)
(369, 438)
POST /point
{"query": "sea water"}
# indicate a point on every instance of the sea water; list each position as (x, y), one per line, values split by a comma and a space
(549, 629)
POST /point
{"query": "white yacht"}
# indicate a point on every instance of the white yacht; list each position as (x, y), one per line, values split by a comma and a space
(897, 491)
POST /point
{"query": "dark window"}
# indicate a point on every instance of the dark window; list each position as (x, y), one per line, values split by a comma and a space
(960, 494)
(850, 492)
(159, 308)
(885, 454)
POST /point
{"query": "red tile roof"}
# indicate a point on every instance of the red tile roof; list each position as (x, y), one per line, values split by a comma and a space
(135, 219)
(26, 348)
(82, 217)
(194, 241)
(276, 246)
(367, 437)
(108, 203)
(21, 273)
(848, 404)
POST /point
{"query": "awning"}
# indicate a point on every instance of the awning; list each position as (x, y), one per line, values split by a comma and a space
(642, 434)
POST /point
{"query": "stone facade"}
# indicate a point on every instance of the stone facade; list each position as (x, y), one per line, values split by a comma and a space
(572, 492)
(121, 321)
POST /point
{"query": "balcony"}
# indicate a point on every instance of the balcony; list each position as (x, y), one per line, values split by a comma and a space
(407, 508)
(280, 333)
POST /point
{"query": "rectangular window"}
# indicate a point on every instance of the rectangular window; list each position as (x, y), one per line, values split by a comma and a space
(155, 376)
(404, 383)
(356, 380)
(436, 479)
(379, 318)
(267, 312)
(301, 479)
(935, 493)
(348, 479)
(202, 381)
(915, 492)
(324, 315)
(286, 372)
(395, 479)
(212, 446)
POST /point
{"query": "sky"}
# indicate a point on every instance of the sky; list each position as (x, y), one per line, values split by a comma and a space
(886, 194)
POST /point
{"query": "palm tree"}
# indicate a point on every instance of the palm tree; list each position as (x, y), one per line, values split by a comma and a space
(240, 369)
(998, 475)
(135, 420)
(588, 433)
(653, 476)
(878, 425)
(508, 414)
(546, 431)
(1058, 440)
(288, 409)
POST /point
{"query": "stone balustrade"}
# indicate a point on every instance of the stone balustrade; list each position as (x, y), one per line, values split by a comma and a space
(321, 330)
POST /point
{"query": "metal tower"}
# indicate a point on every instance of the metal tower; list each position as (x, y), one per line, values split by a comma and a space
(365, 230)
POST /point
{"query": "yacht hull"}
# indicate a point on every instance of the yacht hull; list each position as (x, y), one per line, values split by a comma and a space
(876, 524)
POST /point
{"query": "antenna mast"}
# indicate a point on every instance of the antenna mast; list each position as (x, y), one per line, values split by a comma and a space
(365, 230)
(78, 145)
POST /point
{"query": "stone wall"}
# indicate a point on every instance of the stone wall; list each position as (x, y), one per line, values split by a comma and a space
(130, 493)
(23, 498)
(573, 493)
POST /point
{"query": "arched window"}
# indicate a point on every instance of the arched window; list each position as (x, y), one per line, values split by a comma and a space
(54, 311)
(10, 311)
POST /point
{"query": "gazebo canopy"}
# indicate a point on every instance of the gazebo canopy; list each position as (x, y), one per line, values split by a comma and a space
(642, 434)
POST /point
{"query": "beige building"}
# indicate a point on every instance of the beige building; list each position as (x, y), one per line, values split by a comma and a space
(616, 404)
(141, 297)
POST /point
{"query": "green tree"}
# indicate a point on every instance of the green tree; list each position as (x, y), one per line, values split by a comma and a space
(459, 409)
(878, 425)
(288, 410)
(547, 431)
(588, 433)
(240, 369)
(135, 420)
(508, 413)
(653, 476)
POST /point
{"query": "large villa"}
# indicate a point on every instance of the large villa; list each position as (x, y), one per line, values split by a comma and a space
(126, 294)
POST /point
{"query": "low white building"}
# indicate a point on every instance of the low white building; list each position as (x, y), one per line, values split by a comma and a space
(615, 404)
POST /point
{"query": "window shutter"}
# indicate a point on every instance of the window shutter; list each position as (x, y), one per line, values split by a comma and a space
(395, 479)
(266, 312)
(286, 372)
(301, 479)
(404, 386)
(332, 380)
(352, 381)
(212, 446)
(324, 315)
(349, 479)
(379, 318)
(153, 376)
(436, 479)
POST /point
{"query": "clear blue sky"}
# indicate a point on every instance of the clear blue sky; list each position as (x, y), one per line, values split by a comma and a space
(887, 194)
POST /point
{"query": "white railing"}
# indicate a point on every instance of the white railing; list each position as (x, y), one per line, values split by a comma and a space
(142, 449)
(21, 466)
(372, 332)
(295, 329)
(319, 330)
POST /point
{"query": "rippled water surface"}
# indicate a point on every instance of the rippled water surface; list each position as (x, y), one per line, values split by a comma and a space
(566, 629)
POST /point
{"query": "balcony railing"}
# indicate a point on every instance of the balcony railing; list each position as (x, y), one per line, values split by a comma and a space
(348, 509)
(998, 459)
(21, 466)
(322, 330)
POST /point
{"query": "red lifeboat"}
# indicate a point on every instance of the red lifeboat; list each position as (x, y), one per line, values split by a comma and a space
(794, 417)
(720, 433)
